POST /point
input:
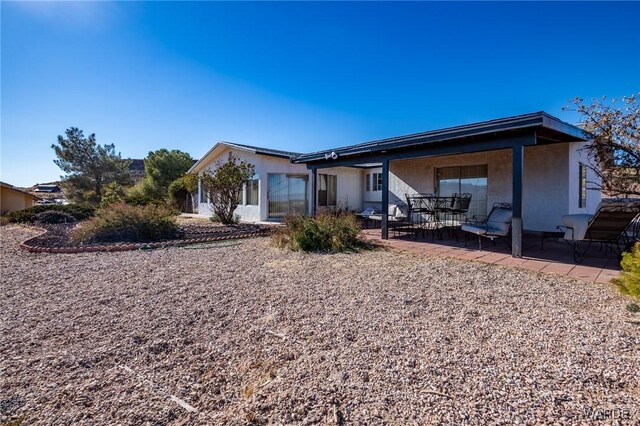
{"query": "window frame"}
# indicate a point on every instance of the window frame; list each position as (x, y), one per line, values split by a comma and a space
(367, 182)
(582, 185)
(252, 184)
(377, 182)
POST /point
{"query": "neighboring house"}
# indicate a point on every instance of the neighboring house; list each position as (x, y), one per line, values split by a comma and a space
(47, 188)
(280, 187)
(12, 198)
(533, 161)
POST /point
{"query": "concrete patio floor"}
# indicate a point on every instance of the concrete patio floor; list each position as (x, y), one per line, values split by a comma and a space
(555, 258)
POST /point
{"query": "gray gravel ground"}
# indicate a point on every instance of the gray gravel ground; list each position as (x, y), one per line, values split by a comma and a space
(236, 333)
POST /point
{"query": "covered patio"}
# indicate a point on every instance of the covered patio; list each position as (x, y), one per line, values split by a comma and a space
(529, 161)
(553, 256)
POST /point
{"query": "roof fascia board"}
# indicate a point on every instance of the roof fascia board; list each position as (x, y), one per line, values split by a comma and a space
(433, 150)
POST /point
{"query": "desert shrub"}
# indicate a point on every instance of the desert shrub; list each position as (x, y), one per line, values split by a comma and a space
(629, 281)
(79, 212)
(327, 232)
(126, 223)
(54, 216)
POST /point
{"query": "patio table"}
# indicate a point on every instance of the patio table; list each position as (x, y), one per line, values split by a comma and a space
(432, 211)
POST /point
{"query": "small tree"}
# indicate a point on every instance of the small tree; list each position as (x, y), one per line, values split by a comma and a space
(614, 129)
(89, 166)
(223, 186)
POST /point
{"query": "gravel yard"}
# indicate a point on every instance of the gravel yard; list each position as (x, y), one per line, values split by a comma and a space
(240, 332)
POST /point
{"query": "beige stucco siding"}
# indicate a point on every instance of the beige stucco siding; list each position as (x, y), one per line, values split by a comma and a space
(418, 175)
(11, 200)
(350, 186)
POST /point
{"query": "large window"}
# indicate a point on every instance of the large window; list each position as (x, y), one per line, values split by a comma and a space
(582, 185)
(367, 182)
(327, 190)
(251, 192)
(377, 181)
(465, 179)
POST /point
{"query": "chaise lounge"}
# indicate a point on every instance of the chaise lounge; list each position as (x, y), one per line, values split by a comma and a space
(608, 226)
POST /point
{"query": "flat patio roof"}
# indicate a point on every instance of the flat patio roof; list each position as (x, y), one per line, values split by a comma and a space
(546, 128)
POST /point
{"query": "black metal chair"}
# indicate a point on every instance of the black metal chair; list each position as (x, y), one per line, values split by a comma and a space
(460, 206)
(496, 225)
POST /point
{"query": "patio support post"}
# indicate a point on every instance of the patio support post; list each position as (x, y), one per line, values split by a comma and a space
(314, 191)
(516, 222)
(385, 200)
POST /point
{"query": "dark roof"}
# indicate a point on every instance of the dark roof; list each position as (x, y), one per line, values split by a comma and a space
(552, 127)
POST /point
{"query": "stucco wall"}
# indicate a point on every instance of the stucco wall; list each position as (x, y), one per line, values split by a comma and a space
(578, 155)
(550, 181)
(11, 200)
(350, 186)
(418, 175)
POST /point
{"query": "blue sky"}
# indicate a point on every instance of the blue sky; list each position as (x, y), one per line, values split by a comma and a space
(295, 76)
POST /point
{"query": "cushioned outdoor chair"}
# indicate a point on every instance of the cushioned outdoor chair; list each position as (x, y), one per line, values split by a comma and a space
(496, 225)
(608, 226)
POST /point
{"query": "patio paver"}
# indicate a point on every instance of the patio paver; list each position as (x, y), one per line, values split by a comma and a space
(555, 258)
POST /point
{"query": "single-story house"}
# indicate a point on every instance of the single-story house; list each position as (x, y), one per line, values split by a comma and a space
(280, 187)
(12, 198)
(534, 162)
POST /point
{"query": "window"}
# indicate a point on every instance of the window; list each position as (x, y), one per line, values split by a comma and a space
(251, 191)
(377, 181)
(367, 182)
(286, 194)
(582, 185)
(203, 194)
(327, 190)
(465, 179)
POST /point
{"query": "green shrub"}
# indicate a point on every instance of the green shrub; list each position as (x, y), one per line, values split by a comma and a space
(79, 212)
(126, 223)
(327, 232)
(54, 216)
(629, 281)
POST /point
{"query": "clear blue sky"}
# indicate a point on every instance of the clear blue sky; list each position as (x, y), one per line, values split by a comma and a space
(296, 76)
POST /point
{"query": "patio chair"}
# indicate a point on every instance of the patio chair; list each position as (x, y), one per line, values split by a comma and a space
(496, 225)
(422, 212)
(608, 226)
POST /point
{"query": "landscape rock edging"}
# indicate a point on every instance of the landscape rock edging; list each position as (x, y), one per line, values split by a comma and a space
(132, 246)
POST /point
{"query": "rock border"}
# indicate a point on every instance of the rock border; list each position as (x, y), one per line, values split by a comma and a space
(114, 247)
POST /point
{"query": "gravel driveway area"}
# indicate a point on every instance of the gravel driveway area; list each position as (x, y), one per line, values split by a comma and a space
(242, 333)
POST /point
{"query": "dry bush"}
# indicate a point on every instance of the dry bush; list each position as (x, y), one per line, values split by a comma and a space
(126, 223)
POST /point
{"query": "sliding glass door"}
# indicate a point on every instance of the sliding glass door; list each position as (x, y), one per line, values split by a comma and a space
(465, 179)
(287, 194)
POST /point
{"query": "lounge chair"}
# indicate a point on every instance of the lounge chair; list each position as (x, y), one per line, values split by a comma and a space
(608, 226)
(496, 225)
